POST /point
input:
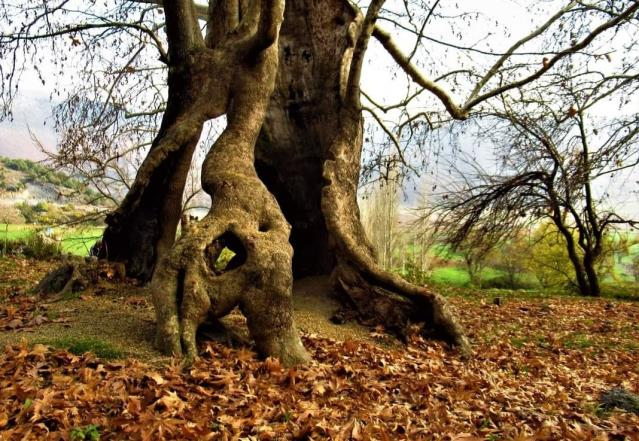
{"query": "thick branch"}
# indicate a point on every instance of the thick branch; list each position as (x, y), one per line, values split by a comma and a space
(200, 10)
(271, 16)
(357, 61)
(404, 62)
(182, 29)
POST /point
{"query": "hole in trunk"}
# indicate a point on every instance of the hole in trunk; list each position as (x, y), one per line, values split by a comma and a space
(224, 259)
(225, 253)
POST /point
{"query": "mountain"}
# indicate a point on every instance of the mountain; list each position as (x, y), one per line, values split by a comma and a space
(34, 193)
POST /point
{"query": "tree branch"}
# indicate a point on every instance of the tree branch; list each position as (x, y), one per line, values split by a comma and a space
(627, 14)
(357, 60)
(404, 62)
(182, 29)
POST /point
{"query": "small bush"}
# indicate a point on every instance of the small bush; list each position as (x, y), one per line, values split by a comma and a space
(85, 433)
(32, 213)
(413, 274)
(504, 282)
(619, 398)
(35, 246)
(621, 290)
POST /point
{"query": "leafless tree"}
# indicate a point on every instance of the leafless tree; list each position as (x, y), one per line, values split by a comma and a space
(559, 153)
(380, 217)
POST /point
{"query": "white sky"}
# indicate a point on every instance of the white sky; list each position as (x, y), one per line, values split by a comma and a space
(32, 106)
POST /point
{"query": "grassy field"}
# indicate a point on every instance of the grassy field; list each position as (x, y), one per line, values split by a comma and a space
(74, 240)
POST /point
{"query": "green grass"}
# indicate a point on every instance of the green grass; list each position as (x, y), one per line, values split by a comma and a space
(79, 241)
(452, 276)
(578, 341)
(81, 345)
(75, 240)
(458, 276)
(15, 231)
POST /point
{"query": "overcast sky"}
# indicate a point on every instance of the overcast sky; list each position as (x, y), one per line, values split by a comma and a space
(33, 108)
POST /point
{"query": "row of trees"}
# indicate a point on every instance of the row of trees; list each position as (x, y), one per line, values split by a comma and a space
(147, 75)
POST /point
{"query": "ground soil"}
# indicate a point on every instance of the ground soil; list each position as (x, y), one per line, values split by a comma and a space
(122, 314)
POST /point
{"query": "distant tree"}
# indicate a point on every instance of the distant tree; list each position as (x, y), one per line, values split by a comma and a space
(380, 218)
(548, 259)
(475, 255)
(554, 148)
(511, 258)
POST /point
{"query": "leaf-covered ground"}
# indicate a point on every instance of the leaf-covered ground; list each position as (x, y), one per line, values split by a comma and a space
(539, 368)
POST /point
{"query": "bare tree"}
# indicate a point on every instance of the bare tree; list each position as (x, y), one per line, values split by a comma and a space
(380, 217)
(555, 149)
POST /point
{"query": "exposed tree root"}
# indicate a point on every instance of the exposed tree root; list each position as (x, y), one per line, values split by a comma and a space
(377, 296)
(77, 276)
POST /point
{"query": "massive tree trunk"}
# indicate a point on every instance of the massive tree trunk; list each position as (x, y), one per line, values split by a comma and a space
(302, 120)
(244, 217)
(309, 157)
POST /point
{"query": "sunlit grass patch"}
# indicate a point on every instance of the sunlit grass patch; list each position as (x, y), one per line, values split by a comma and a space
(74, 240)
(81, 345)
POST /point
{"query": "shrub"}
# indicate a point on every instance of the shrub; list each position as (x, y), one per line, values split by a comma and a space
(414, 274)
(32, 213)
(619, 398)
(35, 246)
(634, 268)
(506, 282)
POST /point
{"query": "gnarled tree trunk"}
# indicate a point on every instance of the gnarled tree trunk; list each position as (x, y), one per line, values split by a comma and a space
(309, 157)
(244, 217)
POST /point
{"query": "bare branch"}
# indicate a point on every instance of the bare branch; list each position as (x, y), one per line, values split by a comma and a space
(404, 62)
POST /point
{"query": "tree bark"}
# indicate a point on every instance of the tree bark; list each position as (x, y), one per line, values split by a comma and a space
(244, 217)
(301, 121)
(594, 288)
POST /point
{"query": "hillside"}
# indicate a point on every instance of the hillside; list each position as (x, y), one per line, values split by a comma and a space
(34, 193)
